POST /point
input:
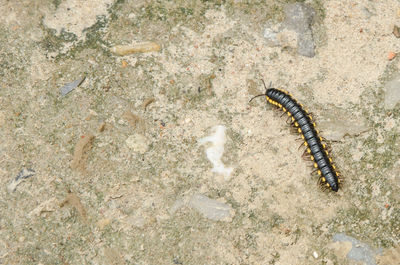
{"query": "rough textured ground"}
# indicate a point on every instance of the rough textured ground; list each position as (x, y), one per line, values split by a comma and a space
(135, 162)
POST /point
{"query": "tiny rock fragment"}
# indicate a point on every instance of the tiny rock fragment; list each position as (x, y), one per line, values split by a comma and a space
(271, 36)
(396, 31)
(102, 127)
(138, 143)
(71, 86)
(74, 201)
(135, 48)
(315, 254)
(81, 152)
(22, 175)
(147, 102)
(391, 56)
(392, 92)
(46, 206)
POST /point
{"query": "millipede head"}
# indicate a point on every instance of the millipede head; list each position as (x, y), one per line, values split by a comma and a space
(265, 94)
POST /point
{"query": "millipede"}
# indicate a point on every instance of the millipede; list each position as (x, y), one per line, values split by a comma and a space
(303, 122)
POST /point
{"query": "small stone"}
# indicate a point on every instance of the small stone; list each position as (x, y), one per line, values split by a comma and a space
(71, 86)
(396, 31)
(271, 37)
(391, 56)
(138, 143)
(315, 255)
(392, 92)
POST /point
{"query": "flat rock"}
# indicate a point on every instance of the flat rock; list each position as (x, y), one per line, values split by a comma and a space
(358, 251)
(392, 92)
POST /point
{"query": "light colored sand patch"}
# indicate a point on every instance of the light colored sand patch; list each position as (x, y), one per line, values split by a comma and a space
(76, 15)
(215, 152)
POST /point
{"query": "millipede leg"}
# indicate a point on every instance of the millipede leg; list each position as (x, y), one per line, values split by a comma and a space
(293, 130)
(301, 146)
(306, 155)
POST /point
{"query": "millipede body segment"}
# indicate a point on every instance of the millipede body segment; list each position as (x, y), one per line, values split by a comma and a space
(303, 121)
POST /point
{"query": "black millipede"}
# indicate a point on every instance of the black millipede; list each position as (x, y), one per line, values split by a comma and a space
(303, 122)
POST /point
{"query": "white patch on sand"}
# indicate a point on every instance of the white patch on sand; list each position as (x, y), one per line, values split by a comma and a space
(76, 15)
(215, 152)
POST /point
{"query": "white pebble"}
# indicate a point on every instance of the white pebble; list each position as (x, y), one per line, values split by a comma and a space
(138, 143)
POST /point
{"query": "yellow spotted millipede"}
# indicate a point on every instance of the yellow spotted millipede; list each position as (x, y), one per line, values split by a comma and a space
(303, 122)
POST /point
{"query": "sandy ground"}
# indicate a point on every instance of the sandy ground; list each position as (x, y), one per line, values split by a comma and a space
(116, 159)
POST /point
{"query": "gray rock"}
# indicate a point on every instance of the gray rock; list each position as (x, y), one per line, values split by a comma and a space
(360, 251)
(392, 92)
(271, 36)
(299, 17)
(71, 86)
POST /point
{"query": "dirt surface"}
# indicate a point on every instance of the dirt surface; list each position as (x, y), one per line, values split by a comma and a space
(144, 158)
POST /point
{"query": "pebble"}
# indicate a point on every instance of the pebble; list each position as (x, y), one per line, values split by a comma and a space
(71, 86)
(271, 36)
(138, 143)
(392, 92)
(396, 31)
(315, 255)
(391, 56)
